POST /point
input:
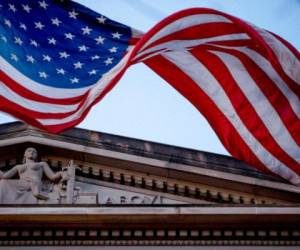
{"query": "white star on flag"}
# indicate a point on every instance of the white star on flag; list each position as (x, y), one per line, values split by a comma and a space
(55, 21)
(82, 48)
(116, 35)
(100, 39)
(113, 49)
(73, 14)
(108, 61)
(95, 57)
(69, 36)
(74, 80)
(7, 22)
(92, 72)
(26, 8)
(63, 54)
(61, 71)
(52, 41)
(30, 59)
(33, 43)
(18, 41)
(14, 57)
(23, 26)
(43, 4)
(101, 19)
(43, 74)
(12, 8)
(78, 65)
(47, 58)
(86, 30)
(39, 25)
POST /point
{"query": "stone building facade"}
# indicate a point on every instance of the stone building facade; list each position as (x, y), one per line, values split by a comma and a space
(125, 193)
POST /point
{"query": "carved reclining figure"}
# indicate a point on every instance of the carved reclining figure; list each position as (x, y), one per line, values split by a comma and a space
(27, 189)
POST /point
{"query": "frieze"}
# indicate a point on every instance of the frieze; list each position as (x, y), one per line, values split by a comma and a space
(63, 191)
(61, 187)
(170, 186)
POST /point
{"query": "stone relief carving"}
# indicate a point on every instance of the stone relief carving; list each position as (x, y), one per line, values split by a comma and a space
(34, 182)
(30, 188)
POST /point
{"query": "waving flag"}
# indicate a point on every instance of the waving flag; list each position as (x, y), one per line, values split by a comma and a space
(56, 60)
(59, 58)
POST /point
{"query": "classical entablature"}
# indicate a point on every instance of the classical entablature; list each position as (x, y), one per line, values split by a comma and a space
(105, 189)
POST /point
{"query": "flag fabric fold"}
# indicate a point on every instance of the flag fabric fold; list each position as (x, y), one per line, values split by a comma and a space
(245, 80)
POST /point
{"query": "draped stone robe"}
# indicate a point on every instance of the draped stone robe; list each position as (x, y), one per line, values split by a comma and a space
(27, 188)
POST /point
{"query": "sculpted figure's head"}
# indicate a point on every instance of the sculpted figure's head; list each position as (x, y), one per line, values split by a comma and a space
(31, 154)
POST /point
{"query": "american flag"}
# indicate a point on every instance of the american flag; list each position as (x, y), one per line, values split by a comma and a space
(60, 58)
(57, 58)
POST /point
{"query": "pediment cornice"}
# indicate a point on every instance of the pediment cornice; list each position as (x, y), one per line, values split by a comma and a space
(138, 164)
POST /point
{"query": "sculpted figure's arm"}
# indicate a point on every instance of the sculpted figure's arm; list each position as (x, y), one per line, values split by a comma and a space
(10, 173)
(50, 174)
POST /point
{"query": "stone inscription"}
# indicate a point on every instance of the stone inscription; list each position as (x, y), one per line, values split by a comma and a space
(110, 195)
(135, 199)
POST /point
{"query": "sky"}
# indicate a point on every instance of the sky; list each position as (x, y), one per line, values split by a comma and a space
(143, 105)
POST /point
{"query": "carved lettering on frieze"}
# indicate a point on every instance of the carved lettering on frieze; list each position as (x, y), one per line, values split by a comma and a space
(134, 199)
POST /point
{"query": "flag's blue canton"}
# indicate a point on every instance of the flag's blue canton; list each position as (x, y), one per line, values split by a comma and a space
(60, 43)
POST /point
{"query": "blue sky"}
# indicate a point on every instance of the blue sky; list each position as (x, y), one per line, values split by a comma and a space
(144, 106)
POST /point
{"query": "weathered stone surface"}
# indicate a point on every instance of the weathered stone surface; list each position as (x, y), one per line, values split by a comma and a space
(30, 188)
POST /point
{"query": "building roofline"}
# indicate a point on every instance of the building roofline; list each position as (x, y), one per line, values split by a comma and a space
(144, 148)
